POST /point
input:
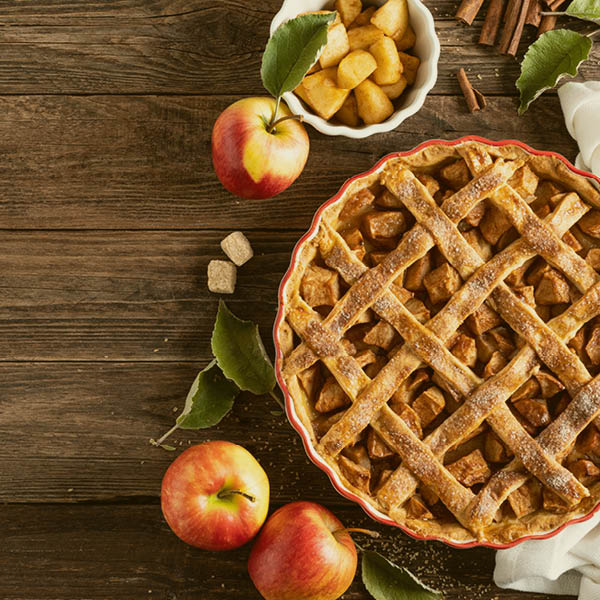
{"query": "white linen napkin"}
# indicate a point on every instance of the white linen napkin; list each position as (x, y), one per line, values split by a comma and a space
(581, 107)
(568, 563)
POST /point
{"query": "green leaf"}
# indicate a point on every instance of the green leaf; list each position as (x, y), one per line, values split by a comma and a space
(552, 56)
(210, 398)
(240, 353)
(292, 50)
(588, 10)
(386, 581)
(168, 447)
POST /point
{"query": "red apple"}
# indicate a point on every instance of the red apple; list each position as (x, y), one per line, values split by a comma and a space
(302, 553)
(215, 496)
(250, 161)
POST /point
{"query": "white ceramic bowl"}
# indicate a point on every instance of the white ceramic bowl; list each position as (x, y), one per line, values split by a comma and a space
(427, 48)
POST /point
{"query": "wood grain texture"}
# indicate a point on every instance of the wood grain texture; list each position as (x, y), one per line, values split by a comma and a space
(113, 162)
(126, 552)
(193, 47)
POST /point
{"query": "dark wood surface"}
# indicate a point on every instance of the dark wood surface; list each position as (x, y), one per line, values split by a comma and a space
(110, 212)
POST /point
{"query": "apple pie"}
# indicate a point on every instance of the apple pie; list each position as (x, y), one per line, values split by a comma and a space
(439, 341)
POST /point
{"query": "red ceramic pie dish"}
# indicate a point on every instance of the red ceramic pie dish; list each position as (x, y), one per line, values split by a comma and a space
(297, 422)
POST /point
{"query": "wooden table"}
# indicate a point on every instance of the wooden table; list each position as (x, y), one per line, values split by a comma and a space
(110, 213)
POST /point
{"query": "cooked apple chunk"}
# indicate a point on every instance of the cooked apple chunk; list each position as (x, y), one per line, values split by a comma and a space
(441, 283)
(411, 66)
(471, 469)
(320, 287)
(337, 46)
(360, 38)
(389, 68)
(429, 405)
(322, 93)
(373, 105)
(332, 397)
(392, 17)
(348, 114)
(354, 68)
(384, 224)
(405, 41)
(364, 18)
(348, 10)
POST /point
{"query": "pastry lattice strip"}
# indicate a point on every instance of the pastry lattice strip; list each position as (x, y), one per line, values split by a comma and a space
(450, 378)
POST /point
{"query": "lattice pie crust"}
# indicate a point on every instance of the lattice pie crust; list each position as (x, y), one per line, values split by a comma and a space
(441, 341)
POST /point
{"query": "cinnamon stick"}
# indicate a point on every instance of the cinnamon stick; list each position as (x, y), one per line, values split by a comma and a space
(511, 16)
(475, 99)
(548, 23)
(556, 4)
(492, 22)
(513, 47)
(467, 11)
(533, 14)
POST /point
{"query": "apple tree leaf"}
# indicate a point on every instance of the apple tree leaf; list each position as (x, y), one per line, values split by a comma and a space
(210, 398)
(292, 50)
(588, 10)
(386, 581)
(240, 353)
(552, 56)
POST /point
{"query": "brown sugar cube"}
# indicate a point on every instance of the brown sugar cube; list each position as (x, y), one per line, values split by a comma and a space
(552, 289)
(365, 357)
(593, 257)
(524, 182)
(526, 499)
(410, 417)
(535, 411)
(417, 509)
(358, 205)
(418, 309)
(572, 241)
(465, 349)
(356, 243)
(495, 451)
(476, 214)
(554, 503)
(585, 470)
(431, 183)
(237, 248)
(476, 240)
(530, 389)
(494, 224)
(376, 447)
(496, 363)
(357, 476)
(589, 442)
(549, 385)
(413, 278)
(429, 405)
(382, 334)
(384, 224)
(470, 469)
(526, 293)
(456, 175)
(483, 319)
(442, 283)
(503, 340)
(546, 190)
(222, 275)
(320, 287)
(592, 348)
(388, 200)
(332, 397)
(310, 380)
(590, 223)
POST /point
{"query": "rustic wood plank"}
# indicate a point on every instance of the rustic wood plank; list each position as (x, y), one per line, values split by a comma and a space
(79, 432)
(199, 47)
(125, 552)
(144, 162)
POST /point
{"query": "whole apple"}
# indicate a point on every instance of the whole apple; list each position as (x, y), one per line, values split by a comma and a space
(215, 496)
(250, 161)
(302, 553)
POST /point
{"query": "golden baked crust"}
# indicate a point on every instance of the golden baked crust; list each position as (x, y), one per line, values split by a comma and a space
(441, 341)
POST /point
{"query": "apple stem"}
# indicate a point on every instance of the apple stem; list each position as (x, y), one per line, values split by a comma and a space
(160, 440)
(226, 493)
(373, 534)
